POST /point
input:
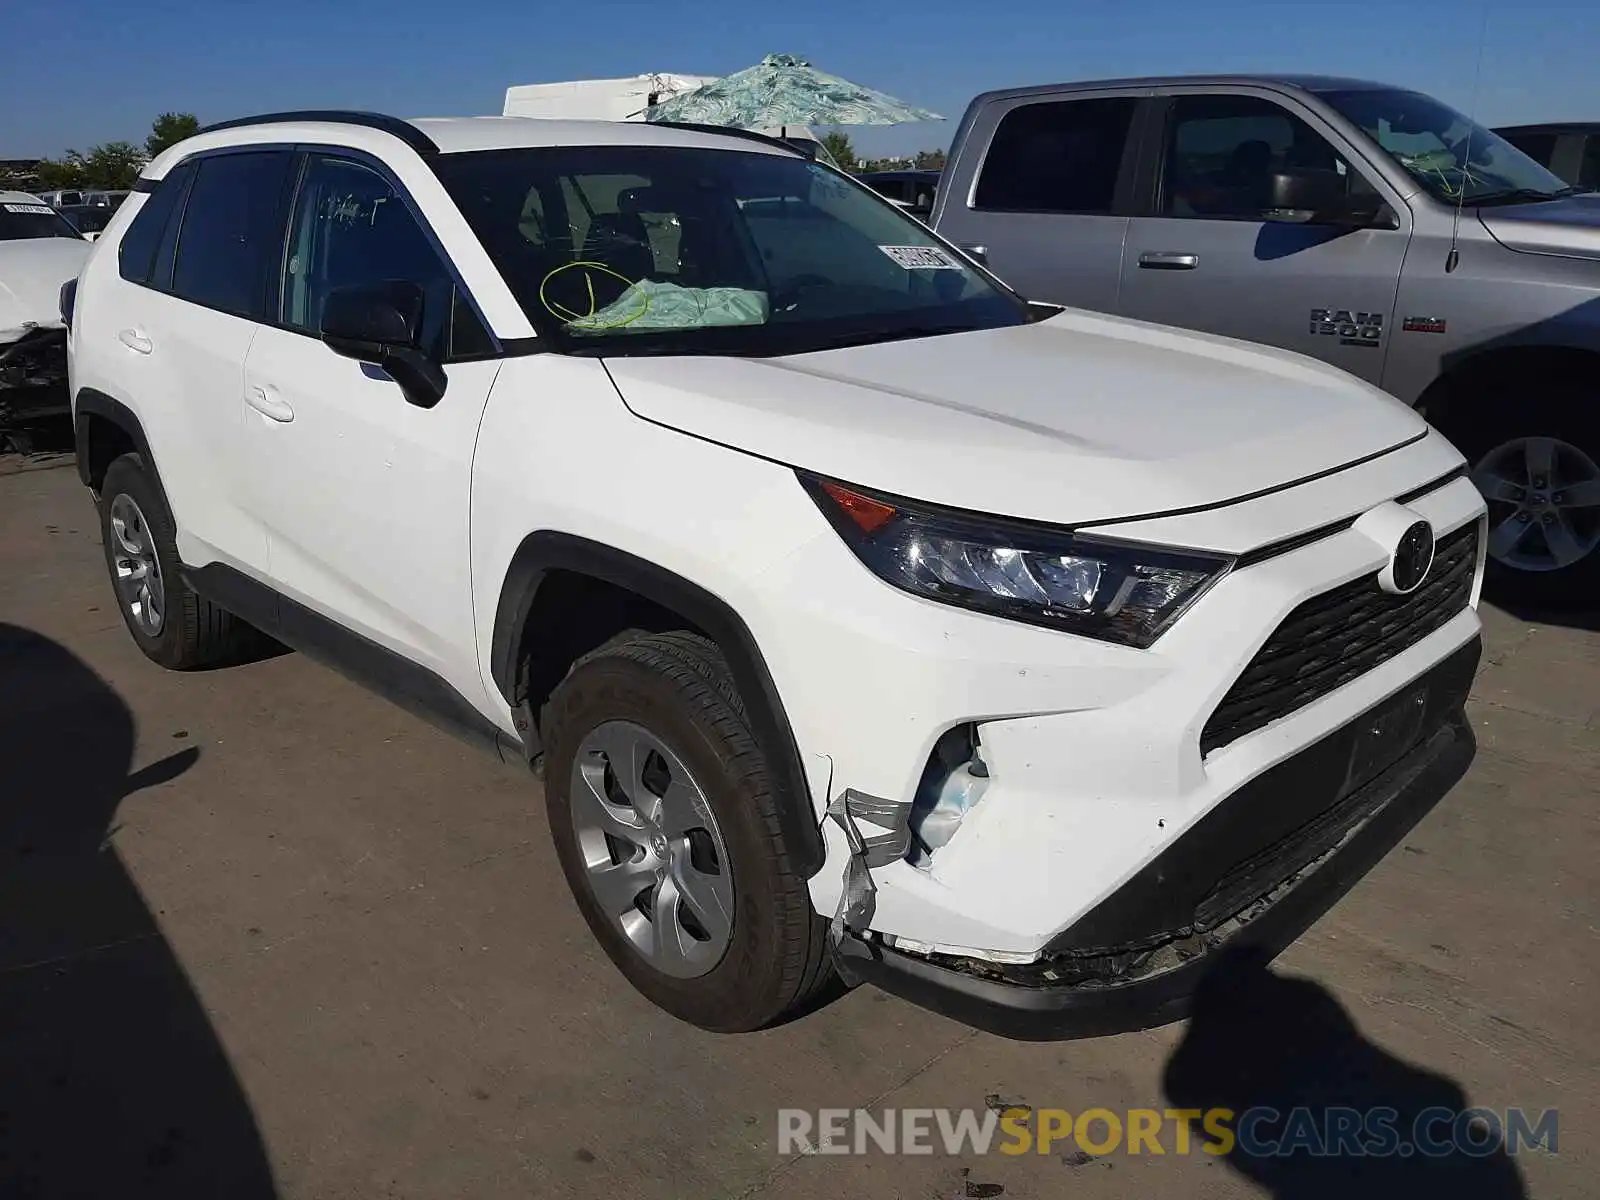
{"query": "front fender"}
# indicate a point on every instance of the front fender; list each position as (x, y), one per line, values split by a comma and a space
(545, 551)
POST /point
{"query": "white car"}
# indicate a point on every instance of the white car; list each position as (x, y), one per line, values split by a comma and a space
(39, 251)
(859, 613)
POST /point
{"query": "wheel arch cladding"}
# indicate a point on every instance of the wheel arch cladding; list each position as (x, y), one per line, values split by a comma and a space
(103, 428)
(1467, 376)
(544, 554)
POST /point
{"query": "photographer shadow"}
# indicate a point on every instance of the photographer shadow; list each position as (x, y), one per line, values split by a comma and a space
(1260, 1040)
(112, 1081)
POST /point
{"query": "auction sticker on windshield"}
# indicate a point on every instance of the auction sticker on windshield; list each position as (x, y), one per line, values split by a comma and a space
(921, 258)
(43, 209)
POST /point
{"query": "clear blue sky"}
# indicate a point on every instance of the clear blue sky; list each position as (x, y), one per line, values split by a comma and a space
(98, 70)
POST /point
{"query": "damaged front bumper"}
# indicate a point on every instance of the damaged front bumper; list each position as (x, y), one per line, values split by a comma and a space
(33, 376)
(1255, 872)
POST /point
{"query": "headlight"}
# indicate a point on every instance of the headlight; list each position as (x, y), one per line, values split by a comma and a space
(1116, 592)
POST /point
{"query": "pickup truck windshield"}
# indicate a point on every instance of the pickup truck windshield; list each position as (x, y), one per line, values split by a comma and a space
(684, 250)
(1452, 156)
(21, 221)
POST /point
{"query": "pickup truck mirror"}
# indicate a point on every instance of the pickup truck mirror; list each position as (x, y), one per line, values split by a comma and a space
(1317, 197)
(381, 324)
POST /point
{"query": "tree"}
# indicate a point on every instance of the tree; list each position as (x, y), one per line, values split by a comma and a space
(113, 166)
(56, 173)
(169, 129)
(930, 160)
(837, 144)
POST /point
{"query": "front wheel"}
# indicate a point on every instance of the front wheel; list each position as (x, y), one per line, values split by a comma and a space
(663, 816)
(1537, 464)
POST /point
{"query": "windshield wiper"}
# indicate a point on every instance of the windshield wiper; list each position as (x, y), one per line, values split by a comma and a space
(1512, 195)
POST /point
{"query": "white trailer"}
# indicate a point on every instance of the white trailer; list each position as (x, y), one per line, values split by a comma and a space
(598, 99)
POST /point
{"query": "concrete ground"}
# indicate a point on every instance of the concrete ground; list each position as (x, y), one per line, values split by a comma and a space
(262, 934)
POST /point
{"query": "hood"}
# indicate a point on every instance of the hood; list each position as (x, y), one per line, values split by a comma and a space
(31, 274)
(1077, 419)
(1566, 228)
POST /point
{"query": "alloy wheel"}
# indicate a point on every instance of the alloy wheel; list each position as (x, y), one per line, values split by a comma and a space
(1544, 503)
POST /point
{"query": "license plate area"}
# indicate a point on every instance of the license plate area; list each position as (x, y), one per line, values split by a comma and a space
(1385, 735)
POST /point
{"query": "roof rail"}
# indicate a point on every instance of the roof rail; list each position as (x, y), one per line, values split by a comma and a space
(404, 130)
(696, 127)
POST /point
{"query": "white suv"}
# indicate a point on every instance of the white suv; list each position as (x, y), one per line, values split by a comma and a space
(859, 614)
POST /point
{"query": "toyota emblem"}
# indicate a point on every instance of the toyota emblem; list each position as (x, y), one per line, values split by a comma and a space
(1413, 555)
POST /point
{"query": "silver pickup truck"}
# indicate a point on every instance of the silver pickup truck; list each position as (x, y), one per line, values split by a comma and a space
(1369, 226)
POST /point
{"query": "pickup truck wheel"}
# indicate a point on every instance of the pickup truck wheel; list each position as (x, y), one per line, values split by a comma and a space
(1538, 467)
(172, 624)
(663, 816)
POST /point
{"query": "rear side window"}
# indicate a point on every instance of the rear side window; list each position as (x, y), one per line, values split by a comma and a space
(136, 253)
(1057, 157)
(232, 237)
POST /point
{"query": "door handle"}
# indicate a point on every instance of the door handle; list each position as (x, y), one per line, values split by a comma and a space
(1168, 260)
(135, 340)
(269, 405)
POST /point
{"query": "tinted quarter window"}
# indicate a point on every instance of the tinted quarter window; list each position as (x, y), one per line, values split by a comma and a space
(232, 234)
(136, 253)
(1222, 152)
(351, 228)
(1060, 157)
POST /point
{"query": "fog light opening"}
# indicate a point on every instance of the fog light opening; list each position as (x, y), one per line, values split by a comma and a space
(952, 783)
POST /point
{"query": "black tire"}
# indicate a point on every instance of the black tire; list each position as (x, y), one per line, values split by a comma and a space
(1483, 419)
(677, 686)
(194, 632)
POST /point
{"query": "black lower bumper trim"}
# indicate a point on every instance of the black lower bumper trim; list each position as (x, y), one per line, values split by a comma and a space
(1392, 804)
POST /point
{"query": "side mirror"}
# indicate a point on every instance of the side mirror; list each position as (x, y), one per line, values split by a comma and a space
(1304, 191)
(381, 324)
(1317, 197)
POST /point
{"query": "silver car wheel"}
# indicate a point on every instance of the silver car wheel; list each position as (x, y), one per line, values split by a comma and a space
(653, 855)
(1544, 503)
(135, 570)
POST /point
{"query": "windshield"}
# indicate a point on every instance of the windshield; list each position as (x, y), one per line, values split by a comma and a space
(20, 221)
(660, 249)
(1453, 157)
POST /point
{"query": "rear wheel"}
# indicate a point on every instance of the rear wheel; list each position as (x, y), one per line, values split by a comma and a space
(1537, 463)
(663, 816)
(171, 623)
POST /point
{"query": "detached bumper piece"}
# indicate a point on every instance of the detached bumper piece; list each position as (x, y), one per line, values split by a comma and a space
(1256, 871)
(33, 377)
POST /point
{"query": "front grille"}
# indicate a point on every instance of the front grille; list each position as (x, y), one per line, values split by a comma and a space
(1335, 637)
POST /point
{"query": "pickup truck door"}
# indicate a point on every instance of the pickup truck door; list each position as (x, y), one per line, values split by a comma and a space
(1205, 257)
(1041, 187)
(365, 496)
